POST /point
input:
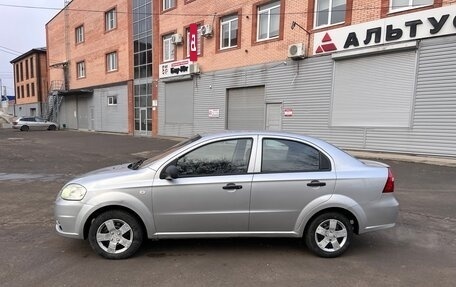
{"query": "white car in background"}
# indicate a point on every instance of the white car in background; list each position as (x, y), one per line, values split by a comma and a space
(33, 123)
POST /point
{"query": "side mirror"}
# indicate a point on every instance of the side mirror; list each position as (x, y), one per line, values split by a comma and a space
(171, 172)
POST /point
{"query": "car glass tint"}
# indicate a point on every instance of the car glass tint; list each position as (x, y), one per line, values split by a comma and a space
(289, 156)
(219, 158)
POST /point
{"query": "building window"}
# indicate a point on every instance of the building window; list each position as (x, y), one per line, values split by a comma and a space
(199, 41)
(168, 4)
(17, 72)
(329, 12)
(111, 19)
(168, 48)
(229, 32)
(28, 91)
(81, 70)
(398, 5)
(32, 87)
(22, 91)
(268, 21)
(26, 69)
(32, 67)
(112, 100)
(79, 34)
(111, 62)
(22, 71)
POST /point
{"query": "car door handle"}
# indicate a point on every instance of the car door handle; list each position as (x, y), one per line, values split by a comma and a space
(231, 186)
(316, 183)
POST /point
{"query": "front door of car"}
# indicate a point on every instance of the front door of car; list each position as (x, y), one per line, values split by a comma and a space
(291, 175)
(211, 192)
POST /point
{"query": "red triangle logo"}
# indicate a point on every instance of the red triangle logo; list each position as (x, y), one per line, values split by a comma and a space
(326, 38)
(326, 46)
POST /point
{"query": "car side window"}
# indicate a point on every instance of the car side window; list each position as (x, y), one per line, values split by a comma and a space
(226, 157)
(281, 155)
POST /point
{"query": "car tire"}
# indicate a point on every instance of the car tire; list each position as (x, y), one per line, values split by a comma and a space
(329, 234)
(52, 128)
(115, 234)
(25, 128)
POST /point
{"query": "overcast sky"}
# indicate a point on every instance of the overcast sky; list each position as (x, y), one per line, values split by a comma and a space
(22, 28)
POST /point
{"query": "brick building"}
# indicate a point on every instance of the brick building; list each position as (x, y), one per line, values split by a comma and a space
(30, 83)
(368, 75)
(90, 66)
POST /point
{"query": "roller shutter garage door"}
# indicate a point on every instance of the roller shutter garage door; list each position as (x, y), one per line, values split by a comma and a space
(374, 91)
(246, 109)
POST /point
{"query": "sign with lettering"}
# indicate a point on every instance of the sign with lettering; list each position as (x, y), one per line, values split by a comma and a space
(177, 68)
(193, 38)
(413, 26)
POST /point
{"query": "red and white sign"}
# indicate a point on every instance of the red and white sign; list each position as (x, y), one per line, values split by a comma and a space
(193, 39)
(177, 68)
(287, 112)
(413, 26)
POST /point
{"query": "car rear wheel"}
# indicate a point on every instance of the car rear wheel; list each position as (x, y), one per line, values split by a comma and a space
(25, 128)
(329, 235)
(115, 234)
(52, 128)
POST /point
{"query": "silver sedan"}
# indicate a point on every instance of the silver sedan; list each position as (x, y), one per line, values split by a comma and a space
(232, 184)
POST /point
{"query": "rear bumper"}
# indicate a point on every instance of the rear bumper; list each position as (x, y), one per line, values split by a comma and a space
(380, 214)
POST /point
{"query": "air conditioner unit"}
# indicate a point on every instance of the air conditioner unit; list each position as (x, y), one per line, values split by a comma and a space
(194, 68)
(206, 31)
(176, 39)
(296, 51)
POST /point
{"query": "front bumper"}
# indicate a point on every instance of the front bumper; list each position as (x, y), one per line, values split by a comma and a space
(70, 217)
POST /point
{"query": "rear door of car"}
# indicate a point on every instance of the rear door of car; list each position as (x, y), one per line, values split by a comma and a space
(289, 174)
(211, 193)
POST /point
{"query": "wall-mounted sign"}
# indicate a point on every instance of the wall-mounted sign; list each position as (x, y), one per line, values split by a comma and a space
(287, 112)
(193, 35)
(413, 26)
(214, 113)
(177, 68)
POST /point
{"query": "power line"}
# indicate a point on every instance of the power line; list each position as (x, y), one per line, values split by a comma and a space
(160, 13)
(12, 53)
(11, 50)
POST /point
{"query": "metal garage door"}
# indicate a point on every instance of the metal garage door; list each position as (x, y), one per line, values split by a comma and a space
(246, 109)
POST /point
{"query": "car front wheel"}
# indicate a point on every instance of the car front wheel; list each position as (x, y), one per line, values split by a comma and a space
(52, 128)
(115, 234)
(329, 235)
(25, 128)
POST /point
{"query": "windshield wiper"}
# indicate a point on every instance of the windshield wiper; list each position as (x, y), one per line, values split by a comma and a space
(136, 164)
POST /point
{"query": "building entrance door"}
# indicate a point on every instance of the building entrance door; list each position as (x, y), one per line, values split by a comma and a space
(274, 117)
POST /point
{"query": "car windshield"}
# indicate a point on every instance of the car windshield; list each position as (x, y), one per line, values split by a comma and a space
(171, 150)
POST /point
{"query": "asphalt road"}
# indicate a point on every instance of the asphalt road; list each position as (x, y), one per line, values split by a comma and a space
(419, 251)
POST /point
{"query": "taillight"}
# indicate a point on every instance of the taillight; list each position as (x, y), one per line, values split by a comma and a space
(389, 185)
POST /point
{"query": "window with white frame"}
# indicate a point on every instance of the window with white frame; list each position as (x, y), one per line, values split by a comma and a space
(398, 5)
(329, 12)
(229, 32)
(268, 22)
(112, 100)
(168, 48)
(111, 19)
(168, 4)
(111, 62)
(81, 70)
(198, 41)
(80, 34)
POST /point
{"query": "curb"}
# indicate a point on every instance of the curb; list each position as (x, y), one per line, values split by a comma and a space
(434, 160)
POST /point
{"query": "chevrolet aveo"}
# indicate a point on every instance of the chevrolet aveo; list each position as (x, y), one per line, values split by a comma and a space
(231, 184)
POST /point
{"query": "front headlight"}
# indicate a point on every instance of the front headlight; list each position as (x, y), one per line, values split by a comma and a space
(73, 192)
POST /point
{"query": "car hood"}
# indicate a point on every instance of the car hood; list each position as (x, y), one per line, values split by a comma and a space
(118, 176)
